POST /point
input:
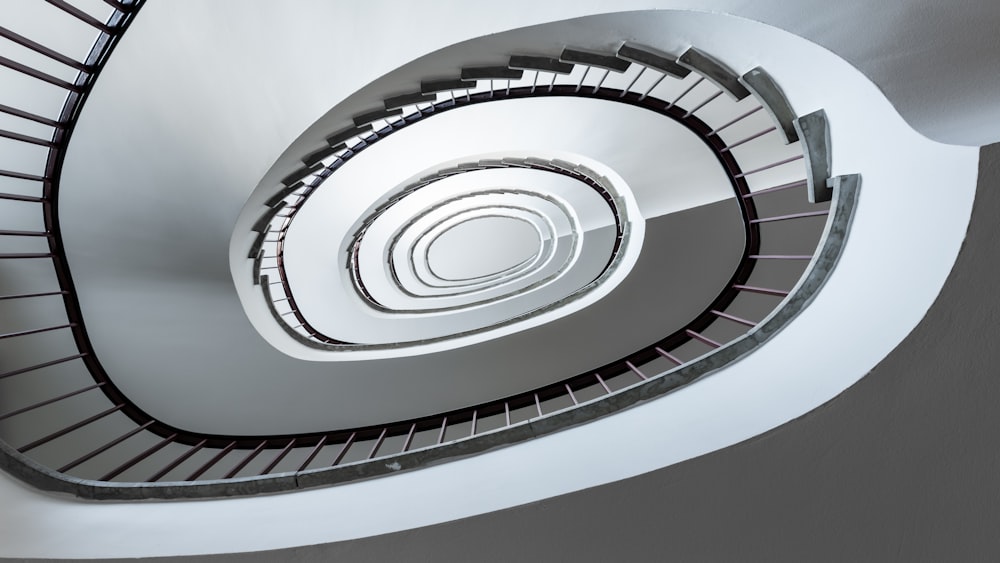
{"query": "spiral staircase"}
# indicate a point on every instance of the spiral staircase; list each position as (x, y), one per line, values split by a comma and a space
(70, 424)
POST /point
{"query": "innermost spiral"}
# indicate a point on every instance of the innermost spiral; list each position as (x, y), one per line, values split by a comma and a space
(482, 247)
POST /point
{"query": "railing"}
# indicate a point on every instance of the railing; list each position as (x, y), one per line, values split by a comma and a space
(51, 409)
(439, 96)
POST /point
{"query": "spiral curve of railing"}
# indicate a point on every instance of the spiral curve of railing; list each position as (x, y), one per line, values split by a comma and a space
(173, 463)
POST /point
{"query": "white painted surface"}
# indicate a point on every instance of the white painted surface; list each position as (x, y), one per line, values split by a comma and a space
(482, 247)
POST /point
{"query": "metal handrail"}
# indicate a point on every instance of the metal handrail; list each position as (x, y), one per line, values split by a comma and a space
(369, 442)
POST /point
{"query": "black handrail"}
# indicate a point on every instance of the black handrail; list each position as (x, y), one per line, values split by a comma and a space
(344, 440)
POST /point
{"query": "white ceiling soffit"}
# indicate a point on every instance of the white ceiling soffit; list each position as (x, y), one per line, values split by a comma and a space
(902, 172)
